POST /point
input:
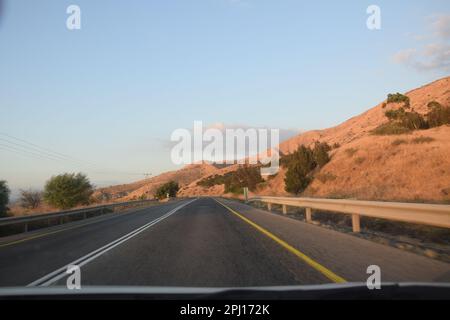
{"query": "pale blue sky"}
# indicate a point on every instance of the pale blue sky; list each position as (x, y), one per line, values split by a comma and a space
(112, 92)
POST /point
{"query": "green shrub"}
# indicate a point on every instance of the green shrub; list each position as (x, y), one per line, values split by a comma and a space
(413, 121)
(404, 122)
(68, 190)
(320, 153)
(409, 120)
(211, 181)
(296, 181)
(169, 189)
(305, 157)
(395, 114)
(246, 176)
(390, 128)
(300, 164)
(235, 181)
(438, 115)
(397, 98)
(4, 198)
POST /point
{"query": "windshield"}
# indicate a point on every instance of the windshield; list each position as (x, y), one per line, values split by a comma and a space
(223, 144)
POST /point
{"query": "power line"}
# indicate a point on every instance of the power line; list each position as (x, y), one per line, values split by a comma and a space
(21, 152)
(46, 150)
(40, 157)
(27, 148)
(35, 151)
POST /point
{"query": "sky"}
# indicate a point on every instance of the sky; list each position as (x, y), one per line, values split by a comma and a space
(108, 96)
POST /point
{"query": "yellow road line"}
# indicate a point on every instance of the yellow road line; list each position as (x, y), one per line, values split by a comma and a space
(40, 235)
(326, 272)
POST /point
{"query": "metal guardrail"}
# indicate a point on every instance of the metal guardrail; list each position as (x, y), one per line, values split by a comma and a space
(428, 214)
(25, 220)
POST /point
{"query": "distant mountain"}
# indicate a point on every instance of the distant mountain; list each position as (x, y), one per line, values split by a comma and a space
(183, 176)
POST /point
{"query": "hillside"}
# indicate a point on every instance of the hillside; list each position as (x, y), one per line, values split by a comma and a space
(364, 166)
(183, 176)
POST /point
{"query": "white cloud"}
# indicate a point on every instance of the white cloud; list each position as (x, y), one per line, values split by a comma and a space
(404, 56)
(441, 25)
(434, 56)
(284, 133)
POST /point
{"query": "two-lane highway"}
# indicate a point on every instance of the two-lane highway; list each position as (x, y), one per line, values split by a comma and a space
(203, 245)
(207, 243)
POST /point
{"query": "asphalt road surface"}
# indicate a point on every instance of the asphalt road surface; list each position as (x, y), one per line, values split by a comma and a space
(204, 242)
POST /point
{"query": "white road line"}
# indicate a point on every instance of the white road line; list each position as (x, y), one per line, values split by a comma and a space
(61, 272)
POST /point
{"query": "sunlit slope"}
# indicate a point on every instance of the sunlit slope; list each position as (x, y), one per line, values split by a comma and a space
(414, 166)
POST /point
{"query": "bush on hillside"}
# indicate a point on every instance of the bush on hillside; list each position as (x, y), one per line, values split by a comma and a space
(390, 128)
(299, 165)
(169, 189)
(395, 114)
(296, 180)
(413, 121)
(235, 181)
(246, 176)
(438, 115)
(398, 98)
(320, 153)
(211, 181)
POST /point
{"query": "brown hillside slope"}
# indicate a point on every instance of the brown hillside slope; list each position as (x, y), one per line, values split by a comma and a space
(395, 167)
(183, 176)
(392, 167)
(365, 166)
(362, 124)
(399, 168)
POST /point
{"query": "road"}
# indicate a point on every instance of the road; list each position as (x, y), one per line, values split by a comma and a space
(205, 242)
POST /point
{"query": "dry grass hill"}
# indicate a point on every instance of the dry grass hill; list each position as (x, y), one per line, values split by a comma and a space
(406, 167)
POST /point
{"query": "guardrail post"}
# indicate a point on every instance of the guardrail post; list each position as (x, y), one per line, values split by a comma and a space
(25, 227)
(356, 223)
(284, 209)
(269, 206)
(246, 194)
(308, 213)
